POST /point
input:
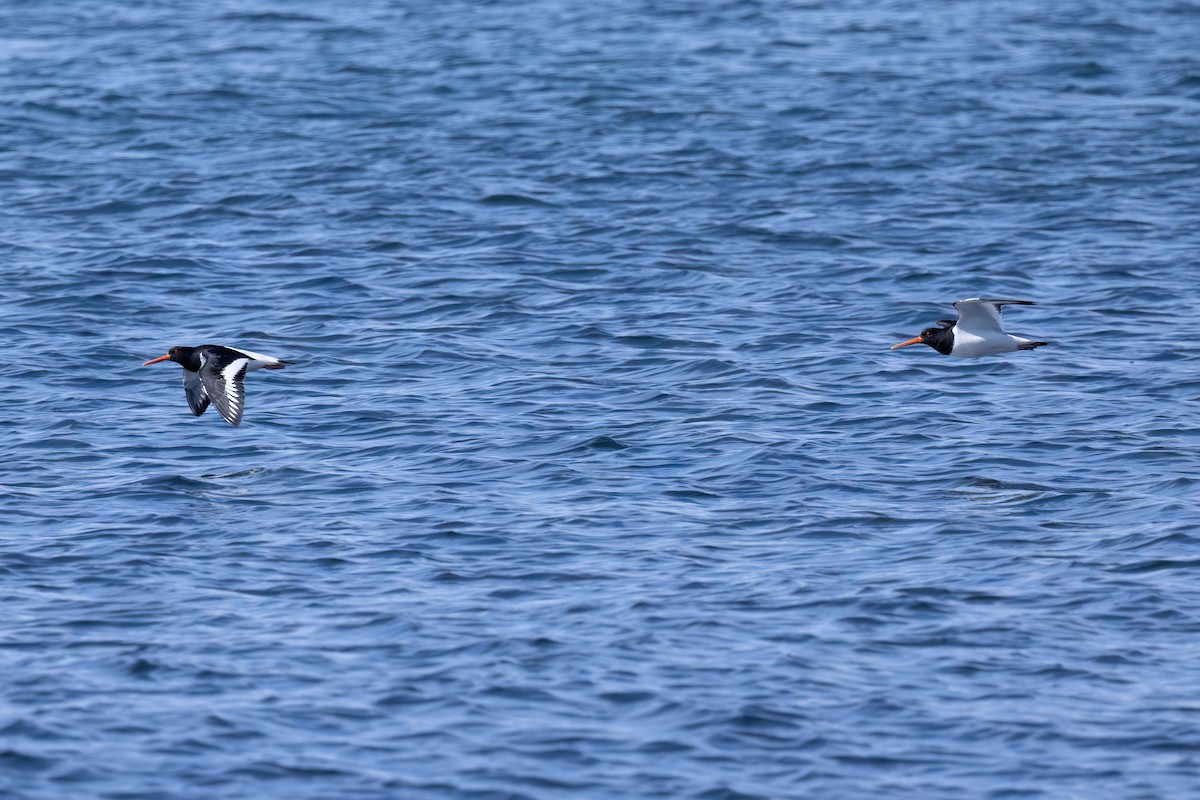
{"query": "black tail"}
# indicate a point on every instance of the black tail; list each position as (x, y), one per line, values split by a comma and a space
(1031, 345)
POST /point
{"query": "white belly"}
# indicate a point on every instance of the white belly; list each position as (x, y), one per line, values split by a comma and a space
(970, 345)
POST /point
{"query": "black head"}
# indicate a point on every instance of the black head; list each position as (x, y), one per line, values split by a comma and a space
(940, 339)
(180, 355)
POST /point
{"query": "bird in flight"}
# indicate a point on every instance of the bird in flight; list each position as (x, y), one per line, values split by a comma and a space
(976, 332)
(213, 373)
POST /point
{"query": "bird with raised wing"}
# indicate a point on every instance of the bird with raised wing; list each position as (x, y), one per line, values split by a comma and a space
(976, 332)
(213, 373)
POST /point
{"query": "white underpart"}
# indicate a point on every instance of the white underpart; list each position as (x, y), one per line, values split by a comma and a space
(978, 333)
(257, 360)
(971, 344)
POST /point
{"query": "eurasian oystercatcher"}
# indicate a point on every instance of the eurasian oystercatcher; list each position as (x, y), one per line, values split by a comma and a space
(976, 332)
(214, 373)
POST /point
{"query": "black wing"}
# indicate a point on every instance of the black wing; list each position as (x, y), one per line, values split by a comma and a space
(997, 302)
(222, 379)
(193, 387)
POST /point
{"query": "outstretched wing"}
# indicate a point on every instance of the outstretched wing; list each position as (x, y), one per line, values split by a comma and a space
(981, 315)
(222, 381)
(193, 387)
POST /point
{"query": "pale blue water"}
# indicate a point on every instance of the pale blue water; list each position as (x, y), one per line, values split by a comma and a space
(595, 477)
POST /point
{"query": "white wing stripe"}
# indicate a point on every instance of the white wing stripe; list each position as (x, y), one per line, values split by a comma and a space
(232, 369)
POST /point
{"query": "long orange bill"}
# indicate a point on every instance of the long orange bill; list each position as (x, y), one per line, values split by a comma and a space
(916, 340)
(168, 356)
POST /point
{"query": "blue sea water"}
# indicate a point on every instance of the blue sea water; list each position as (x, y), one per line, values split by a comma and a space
(595, 477)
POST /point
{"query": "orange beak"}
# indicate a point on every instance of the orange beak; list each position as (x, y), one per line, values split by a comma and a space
(168, 356)
(916, 340)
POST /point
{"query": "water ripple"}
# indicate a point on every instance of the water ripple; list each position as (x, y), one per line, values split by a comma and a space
(593, 475)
